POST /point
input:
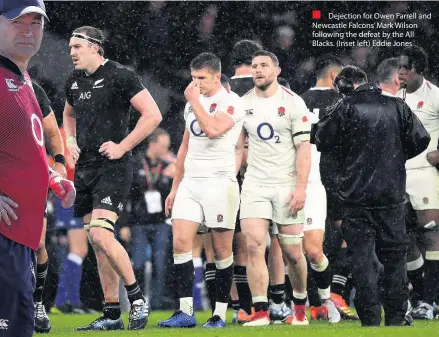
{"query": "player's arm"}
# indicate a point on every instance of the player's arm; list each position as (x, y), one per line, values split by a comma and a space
(54, 143)
(303, 163)
(240, 151)
(150, 118)
(179, 165)
(325, 134)
(69, 125)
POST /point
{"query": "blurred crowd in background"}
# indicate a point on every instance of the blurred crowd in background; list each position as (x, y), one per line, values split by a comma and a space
(159, 39)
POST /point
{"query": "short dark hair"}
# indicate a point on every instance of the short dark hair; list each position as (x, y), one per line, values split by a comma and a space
(353, 74)
(206, 60)
(282, 81)
(154, 136)
(325, 62)
(418, 56)
(96, 35)
(387, 69)
(269, 54)
(224, 80)
(242, 53)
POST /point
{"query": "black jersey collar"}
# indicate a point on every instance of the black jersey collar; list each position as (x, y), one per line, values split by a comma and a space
(11, 66)
(97, 71)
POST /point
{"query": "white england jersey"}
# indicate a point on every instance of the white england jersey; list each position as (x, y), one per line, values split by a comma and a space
(209, 158)
(274, 126)
(424, 102)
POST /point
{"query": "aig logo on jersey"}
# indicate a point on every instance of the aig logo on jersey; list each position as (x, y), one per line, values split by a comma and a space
(85, 95)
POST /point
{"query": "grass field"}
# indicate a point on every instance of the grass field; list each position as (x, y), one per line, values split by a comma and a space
(64, 325)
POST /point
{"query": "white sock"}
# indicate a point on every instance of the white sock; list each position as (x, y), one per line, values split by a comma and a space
(325, 294)
(221, 310)
(187, 305)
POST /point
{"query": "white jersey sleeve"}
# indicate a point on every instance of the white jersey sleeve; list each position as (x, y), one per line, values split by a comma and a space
(424, 103)
(210, 158)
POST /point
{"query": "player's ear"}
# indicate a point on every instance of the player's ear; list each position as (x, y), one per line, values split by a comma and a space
(277, 71)
(217, 77)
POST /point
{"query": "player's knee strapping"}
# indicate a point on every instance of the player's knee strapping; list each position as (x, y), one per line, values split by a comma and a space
(182, 258)
(432, 255)
(101, 223)
(288, 239)
(416, 264)
(321, 266)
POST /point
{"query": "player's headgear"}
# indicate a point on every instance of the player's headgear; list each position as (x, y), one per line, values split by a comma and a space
(12, 9)
(348, 76)
(91, 35)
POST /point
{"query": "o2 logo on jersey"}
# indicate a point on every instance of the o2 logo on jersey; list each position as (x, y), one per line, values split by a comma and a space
(85, 95)
(195, 128)
(265, 131)
(37, 129)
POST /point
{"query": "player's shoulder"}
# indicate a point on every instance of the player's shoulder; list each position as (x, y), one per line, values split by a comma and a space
(290, 97)
(117, 69)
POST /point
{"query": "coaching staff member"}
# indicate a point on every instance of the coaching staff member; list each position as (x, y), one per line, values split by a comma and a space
(375, 135)
(96, 117)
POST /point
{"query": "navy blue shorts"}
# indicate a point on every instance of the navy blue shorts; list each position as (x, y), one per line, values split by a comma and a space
(17, 283)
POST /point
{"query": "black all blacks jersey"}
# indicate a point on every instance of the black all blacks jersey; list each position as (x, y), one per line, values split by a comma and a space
(318, 100)
(241, 84)
(101, 103)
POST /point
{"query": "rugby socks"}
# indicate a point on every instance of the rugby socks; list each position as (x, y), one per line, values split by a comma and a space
(415, 272)
(260, 303)
(322, 275)
(198, 284)
(134, 292)
(244, 294)
(431, 276)
(341, 272)
(299, 298)
(288, 289)
(277, 292)
(112, 310)
(223, 285)
(235, 305)
(311, 287)
(210, 279)
(41, 279)
(70, 282)
(184, 280)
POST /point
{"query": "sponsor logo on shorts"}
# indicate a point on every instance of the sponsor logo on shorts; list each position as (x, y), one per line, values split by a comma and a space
(4, 324)
(425, 200)
(309, 221)
(219, 218)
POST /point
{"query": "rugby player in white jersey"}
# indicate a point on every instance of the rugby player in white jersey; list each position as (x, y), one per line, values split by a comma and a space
(422, 178)
(205, 189)
(279, 158)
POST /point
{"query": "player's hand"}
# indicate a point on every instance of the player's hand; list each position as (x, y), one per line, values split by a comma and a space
(60, 169)
(296, 200)
(169, 202)
(7, 209)
(63, 189)
(192, 92)
(73, 148)
(112, 150)
(125, 234)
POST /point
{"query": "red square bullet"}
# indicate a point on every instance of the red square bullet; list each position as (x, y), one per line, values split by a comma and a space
(316, 14)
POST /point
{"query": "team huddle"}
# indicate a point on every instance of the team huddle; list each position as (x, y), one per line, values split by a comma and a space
(245, 169)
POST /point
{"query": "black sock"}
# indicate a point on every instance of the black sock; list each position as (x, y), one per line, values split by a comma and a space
(235, 305)
(184, 278)
(313, 293)
(41, 279)
(112, 310)
(416, 279)
(299, 301)
(134, 292)
(244, 293)
(277, 292)
(288, 290)
(431, 276)
(322, 280)
(223, 284)
(261, 306)
(339, 279)
(210, 279)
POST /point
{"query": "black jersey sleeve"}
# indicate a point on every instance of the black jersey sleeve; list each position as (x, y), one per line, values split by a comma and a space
(131, 83)
(68, 91)
(43, 100)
